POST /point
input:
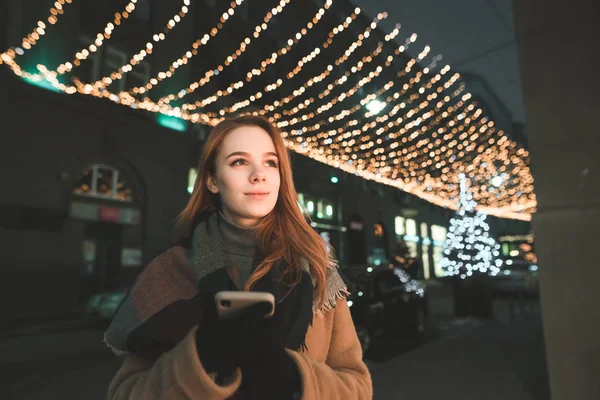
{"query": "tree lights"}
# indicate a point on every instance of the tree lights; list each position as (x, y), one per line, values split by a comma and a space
(370, 108)
(469, 248)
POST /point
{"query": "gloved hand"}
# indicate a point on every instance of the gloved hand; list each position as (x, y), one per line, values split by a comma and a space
(268, 372)
(218, 341)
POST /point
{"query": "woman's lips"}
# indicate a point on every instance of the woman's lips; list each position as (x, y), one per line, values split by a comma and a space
(257, 195)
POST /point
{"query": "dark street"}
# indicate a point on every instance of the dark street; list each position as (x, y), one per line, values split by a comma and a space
(75, 364)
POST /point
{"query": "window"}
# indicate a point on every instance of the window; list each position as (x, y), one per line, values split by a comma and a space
(399, 226)
(89, 71)
(329, 211)
(411, 227)
(192, 179)
(438, 234)
(425, 258)
(423, 230)
(310, 206)
(412, 248)
(113, 60)
(320, 210)
(103, 181)
(138, 76)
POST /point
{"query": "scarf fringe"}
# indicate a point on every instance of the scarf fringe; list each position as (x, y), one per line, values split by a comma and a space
(117, 352)
(331, 301)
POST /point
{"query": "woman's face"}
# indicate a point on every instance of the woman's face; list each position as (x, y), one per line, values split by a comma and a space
(246, 175)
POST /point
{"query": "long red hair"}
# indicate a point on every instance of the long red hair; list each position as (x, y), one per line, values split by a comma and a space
(284, 233)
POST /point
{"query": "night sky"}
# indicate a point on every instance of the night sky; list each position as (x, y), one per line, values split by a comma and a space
(472, 35)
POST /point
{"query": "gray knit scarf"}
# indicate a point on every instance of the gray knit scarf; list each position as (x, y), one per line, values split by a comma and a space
(166, 300)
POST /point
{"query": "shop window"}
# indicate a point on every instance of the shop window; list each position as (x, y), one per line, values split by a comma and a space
(412, 248)
(399, 226)
(328, 211)
(103, 181)
(320, 211)
(113, 60)
(411, 227)
(89, 70)
(192, 179)
(424, 233)
(425, 259)
(438, 236)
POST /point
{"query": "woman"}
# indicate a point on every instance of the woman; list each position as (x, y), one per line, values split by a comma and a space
(241, 230)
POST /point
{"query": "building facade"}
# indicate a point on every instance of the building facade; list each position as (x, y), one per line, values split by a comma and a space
(92, 189)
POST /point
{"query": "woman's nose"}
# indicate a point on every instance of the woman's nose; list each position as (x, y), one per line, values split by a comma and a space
(258, 175)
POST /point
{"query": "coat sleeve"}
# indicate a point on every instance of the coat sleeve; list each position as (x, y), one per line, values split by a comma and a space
(177, 374)
(343, 375)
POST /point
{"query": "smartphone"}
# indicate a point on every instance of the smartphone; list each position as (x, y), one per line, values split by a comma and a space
(230, 304)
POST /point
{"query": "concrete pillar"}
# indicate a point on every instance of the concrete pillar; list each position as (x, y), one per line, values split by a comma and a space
(558, 49)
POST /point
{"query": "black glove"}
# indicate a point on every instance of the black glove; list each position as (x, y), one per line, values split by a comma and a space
(268, 372)
(218, 341)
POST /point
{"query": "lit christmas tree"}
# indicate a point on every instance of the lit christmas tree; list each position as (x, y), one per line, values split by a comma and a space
(469, 248)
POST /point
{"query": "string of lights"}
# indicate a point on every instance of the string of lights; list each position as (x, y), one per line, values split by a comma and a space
(315, 79)
(208, 75)
(105, 81)
(362, 149)
(424, 130)
(189, 54)
(274, 57)
(369, 126)
(346, 95)
(29, 41)
(343, 114)
(83, 54)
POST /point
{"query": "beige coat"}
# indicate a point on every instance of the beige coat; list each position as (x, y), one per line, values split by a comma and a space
(332, 368)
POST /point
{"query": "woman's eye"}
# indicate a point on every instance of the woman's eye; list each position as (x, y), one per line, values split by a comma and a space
(272, 163)
(239, 161)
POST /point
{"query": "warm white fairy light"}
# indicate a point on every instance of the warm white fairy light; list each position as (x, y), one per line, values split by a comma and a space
(315, 79)
(344, 96)
(190, 53)
(294, 39)
(105, 81)
(99, 41)
(343, 114)
(32, 38)
(437, 131)
(347, 142)
(208, 75)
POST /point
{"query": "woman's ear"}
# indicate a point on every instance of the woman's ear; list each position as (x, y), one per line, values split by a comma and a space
(211, 184)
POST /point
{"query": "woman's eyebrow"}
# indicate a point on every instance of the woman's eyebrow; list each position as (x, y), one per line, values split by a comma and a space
(243, 153)
(237, 153)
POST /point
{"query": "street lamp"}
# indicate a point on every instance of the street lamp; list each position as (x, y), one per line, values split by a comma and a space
(375, 106)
